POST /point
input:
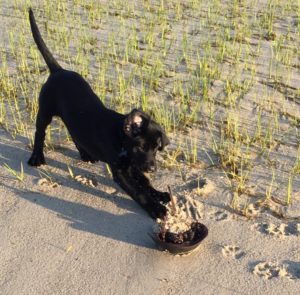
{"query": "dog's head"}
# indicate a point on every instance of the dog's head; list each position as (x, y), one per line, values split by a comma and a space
(144, 137)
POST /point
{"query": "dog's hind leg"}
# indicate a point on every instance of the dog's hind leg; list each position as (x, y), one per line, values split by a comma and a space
(84, 155)
(42, 121)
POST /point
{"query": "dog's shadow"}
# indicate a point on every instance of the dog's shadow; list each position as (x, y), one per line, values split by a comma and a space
(131, 228)
(13, 155)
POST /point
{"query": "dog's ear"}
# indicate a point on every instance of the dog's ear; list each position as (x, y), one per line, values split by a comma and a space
(163, 141)
(135, 123)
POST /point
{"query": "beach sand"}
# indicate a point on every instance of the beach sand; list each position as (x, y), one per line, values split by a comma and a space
(81, 234)
(77, 239)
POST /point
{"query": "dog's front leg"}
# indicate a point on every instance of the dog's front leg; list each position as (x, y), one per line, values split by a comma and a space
(139, 188)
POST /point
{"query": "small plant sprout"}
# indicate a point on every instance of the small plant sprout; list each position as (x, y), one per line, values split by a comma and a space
(289, 190)
(108, 170)
(18, 175)
(270, 188)
(70, 170)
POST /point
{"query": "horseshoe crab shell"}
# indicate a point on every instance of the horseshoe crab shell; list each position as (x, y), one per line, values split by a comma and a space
(199, 231)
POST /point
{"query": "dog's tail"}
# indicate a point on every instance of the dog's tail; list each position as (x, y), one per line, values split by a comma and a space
(48, 57)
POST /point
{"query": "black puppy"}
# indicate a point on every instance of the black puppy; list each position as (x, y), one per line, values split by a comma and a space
(128, 143)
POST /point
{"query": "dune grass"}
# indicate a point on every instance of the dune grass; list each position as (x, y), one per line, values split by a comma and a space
(221, 77)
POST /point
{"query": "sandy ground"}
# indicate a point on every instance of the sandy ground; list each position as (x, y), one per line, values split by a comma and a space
(82, 235)
(72, 238)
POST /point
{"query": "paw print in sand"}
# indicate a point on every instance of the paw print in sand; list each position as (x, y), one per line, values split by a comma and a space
(45, 182)
(85, 180)
(269, 270)
(281, 230)
(232, 251)
(219, 215)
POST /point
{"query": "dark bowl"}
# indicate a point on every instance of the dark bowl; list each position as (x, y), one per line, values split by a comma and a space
(200, 234)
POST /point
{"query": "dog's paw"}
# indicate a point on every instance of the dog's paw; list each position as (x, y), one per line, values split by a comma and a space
(85, 157)
(157, 210)
(36, 160)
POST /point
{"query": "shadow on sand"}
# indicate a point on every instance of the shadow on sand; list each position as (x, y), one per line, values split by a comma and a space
(130, 228)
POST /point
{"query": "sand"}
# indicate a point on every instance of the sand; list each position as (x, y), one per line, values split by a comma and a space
(73, 238)
(182, 211)
(81, 234)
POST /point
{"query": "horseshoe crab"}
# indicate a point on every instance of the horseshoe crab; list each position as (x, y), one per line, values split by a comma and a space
(181, 243)
(180, 231)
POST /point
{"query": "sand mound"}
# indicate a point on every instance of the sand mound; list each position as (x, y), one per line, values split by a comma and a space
(183, 210)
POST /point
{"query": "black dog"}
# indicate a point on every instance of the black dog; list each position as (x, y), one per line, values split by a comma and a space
(128, 143)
